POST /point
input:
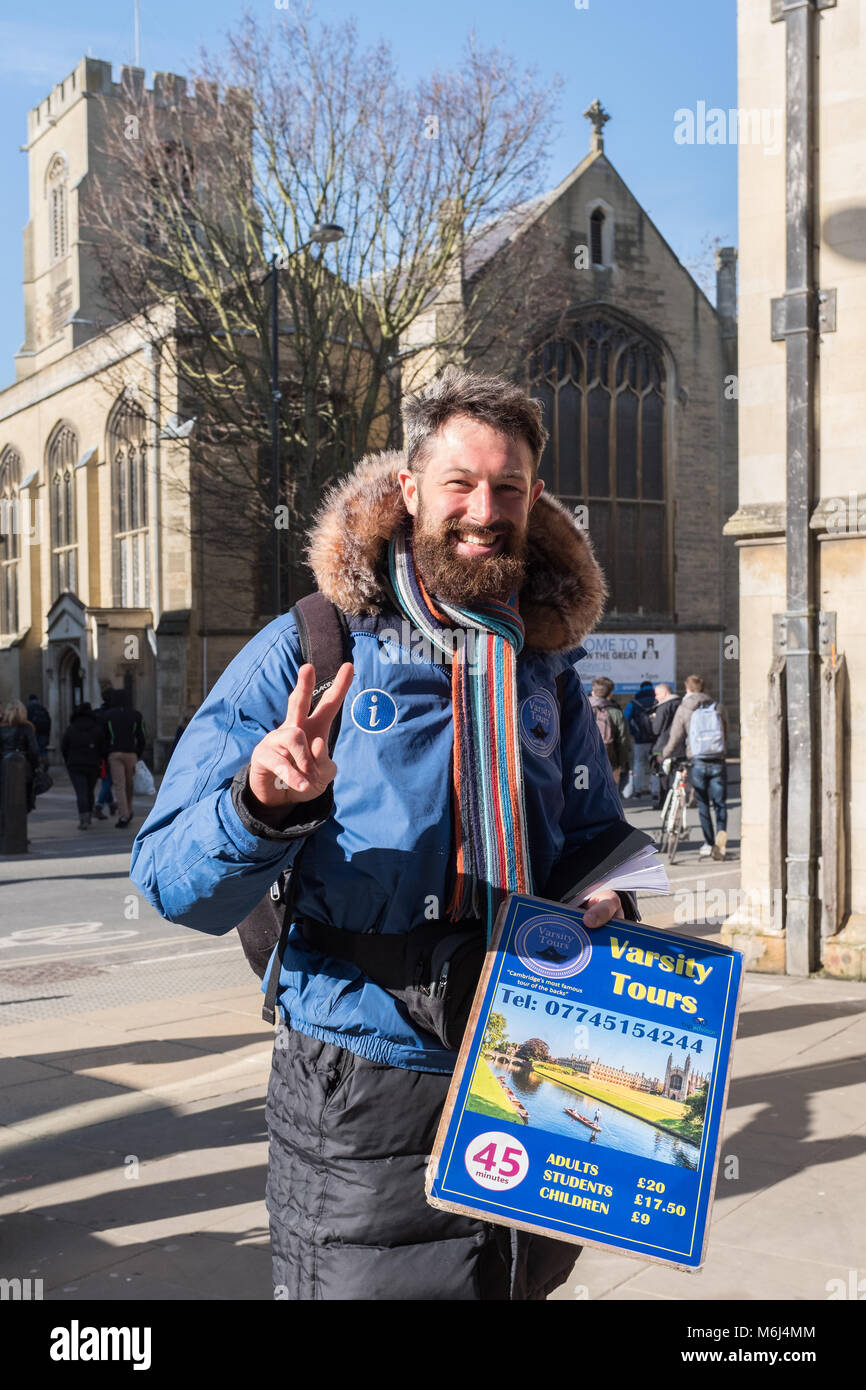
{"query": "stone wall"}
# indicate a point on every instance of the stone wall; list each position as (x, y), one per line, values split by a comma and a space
(758, 527)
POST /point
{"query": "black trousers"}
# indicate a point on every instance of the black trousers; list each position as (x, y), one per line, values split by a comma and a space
(83, 784)
(349, 1143)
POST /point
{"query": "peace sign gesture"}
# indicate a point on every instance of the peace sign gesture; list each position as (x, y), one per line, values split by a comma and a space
(292, 763)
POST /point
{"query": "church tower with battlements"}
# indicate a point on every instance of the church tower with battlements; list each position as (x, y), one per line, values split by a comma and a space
(99, 583)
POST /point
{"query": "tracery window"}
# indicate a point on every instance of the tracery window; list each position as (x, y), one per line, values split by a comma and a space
(127, 450)
(62, 458)
(603, 392)
(58, 212)
(10, 539)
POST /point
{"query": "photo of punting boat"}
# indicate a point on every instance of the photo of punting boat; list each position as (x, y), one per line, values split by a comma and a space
(584, 1119)
(634, 1094)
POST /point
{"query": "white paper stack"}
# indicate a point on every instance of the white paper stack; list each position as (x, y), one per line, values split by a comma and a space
(642, 872)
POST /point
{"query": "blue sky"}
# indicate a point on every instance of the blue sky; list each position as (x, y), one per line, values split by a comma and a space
(643, 60)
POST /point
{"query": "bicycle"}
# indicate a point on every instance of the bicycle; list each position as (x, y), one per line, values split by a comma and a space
(674, 826)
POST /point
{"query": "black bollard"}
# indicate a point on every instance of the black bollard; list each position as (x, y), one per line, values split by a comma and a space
(13, 804)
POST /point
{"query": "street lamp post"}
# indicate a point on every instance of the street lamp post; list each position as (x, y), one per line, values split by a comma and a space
(322, 233)
(276, 397)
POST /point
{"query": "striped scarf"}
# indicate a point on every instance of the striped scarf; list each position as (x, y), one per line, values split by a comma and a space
(492, 853)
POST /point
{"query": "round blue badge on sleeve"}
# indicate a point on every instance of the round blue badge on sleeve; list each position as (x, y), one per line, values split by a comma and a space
(539, 722)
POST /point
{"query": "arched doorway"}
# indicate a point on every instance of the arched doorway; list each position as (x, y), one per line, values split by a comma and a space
(70, 679)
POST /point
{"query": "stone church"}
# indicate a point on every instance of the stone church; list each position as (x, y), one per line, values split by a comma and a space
(682, 1082)
(100, 581)
(639, 395)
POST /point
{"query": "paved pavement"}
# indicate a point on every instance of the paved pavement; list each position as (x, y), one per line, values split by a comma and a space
(75, 933)
(132, 1138)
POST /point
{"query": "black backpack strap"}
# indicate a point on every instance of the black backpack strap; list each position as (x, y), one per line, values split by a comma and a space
(269, 1008)
(324, 637)
(323, 634)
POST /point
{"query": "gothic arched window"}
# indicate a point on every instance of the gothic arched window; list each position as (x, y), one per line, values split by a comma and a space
(127, 452)
(596, 227)
(58, 212)
(603, 392)
(62, 458)
(10, 539)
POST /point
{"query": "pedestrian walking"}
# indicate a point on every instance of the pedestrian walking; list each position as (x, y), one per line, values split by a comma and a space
(186, 719)
(125, 742)
(17, 735)
(667, 704)
(703, 723)
(637, 713)
(418, 550)
(105, 796)
(83, 748)
(41, 721)
(612, 726)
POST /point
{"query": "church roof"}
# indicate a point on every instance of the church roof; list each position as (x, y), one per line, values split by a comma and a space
(490, 238)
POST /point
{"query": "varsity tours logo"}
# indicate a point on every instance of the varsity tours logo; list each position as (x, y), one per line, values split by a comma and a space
(539, 722)
(553, 946)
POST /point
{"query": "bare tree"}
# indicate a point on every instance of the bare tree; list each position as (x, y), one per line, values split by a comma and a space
(702, 267)
(292, 127)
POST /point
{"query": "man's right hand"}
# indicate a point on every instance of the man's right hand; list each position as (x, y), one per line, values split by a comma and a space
(292, 764)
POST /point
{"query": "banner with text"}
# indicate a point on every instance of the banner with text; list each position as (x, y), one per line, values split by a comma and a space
(629, 658)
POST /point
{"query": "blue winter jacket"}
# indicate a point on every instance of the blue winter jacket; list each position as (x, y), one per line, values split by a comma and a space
(378, 845)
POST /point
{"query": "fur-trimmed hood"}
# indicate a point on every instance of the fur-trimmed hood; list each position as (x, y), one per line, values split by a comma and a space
(561, 601)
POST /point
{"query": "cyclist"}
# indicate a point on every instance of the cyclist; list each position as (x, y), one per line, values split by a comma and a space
(704, 724)
(667, 704)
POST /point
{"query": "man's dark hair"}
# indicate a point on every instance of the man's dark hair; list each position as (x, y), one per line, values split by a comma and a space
(602, 685)
(491, 399)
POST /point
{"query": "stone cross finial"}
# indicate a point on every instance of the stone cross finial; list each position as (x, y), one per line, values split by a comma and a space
(597, 114)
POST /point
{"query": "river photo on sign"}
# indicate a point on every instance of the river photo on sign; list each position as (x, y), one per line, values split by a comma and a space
(605, 1079)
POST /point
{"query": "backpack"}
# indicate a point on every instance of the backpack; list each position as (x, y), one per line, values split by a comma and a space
(604, 724)
(324, 639)
(39, 718)
(706, 732)
(639, 723)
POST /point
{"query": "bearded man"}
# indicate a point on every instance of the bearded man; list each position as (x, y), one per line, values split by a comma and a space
(463, 770)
